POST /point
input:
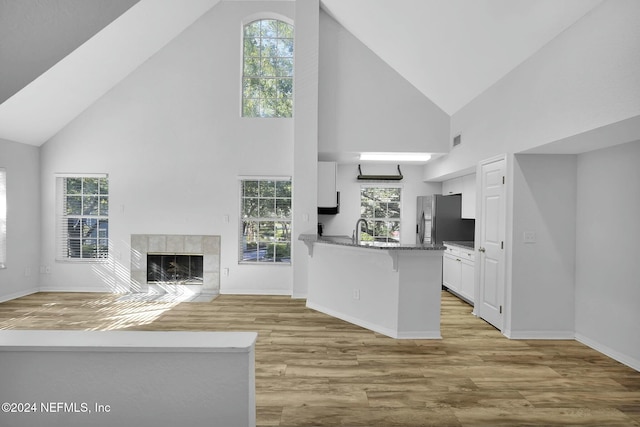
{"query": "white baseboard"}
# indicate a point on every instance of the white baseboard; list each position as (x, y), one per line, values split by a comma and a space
(19, 294)
(281, 292)
(625, 359)
(423, 335)
(419, 335)
(78, 289)
(540, 335)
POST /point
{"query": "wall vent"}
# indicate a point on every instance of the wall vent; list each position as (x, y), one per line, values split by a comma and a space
(457, 140)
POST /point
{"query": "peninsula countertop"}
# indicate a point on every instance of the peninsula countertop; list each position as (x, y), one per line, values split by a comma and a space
(348, 241)
(460, 244)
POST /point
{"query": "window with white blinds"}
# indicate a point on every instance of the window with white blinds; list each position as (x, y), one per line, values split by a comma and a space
(83, 217)
(380, 206)
(265, 220)
(3, 218)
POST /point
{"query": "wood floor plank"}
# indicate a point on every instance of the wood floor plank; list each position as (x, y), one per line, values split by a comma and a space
(315, 370)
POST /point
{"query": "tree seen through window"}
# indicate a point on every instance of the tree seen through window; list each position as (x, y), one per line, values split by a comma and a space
(380, 206)
(267, 83)
(266, 221)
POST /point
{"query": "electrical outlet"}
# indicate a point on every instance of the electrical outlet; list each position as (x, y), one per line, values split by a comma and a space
(356, 294)
(225, 272)
(529, 237)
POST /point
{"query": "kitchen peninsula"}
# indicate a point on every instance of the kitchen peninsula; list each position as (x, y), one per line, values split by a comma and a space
(391, 289)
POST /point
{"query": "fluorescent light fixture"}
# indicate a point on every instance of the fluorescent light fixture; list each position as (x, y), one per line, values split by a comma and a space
(395, 157)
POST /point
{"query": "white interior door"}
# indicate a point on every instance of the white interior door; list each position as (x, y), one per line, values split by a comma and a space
(491, 246)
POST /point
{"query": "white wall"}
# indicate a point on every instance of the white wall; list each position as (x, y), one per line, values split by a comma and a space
(305, 154)
(585, 78)
(543, 273)
(365, 105)
(171, 138)
(608, 260)
(349, 187)
(22, 163)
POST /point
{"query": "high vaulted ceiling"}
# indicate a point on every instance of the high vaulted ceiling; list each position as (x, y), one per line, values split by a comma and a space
(450, 50)
(453, 50)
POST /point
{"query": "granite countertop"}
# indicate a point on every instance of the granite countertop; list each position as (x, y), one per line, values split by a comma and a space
(460, 244)
(346, 241)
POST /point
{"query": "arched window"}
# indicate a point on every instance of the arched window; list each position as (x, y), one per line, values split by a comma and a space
(267, 80)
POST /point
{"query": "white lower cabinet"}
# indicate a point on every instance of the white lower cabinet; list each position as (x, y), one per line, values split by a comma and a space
(467, 282)
(451, 272)
(458, 272)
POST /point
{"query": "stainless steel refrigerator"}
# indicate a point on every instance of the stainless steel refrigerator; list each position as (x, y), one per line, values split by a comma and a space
(439, 219)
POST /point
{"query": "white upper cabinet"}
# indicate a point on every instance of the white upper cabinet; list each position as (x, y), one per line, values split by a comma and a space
(469, 196)
(327, 196)
(465, 185)
(452, 186)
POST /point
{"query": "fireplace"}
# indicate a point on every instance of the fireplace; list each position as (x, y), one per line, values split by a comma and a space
(180, 269)
(176, 259)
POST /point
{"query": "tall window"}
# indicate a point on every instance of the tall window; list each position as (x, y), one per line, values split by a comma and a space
(267, 83)
(380, 206)
(3, 217)
(83, 217)
(266, 221)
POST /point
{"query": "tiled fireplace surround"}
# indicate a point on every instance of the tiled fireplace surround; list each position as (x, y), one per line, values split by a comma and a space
(208, 246)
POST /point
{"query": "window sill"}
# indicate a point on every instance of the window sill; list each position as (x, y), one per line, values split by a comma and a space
(282, 264)
(83, 260)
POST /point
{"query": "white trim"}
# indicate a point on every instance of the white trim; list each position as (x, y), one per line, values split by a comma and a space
(506, 267)
(419, 335)
(281, 292)
(19, 294)
(84, 260)
(81, 175)
(263, 178)
(539, 335)
(396, 186)
(241, 219)
(103, 289)
(265, 15)
(625, 359)
(248, 20)
(381, 184)
(61, 218)
(3, 218)
(414, 335)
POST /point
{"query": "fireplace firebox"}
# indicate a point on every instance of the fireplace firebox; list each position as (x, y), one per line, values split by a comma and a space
(186, 269)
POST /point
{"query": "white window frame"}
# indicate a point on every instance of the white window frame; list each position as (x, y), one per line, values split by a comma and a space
(262, 114)
(242, 219)
(62, 232)
(3, 218)
(385, 219)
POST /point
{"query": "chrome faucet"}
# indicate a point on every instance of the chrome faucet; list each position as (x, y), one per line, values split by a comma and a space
(356, 233)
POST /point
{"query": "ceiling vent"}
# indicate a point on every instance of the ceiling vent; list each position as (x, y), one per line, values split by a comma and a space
(457, 140)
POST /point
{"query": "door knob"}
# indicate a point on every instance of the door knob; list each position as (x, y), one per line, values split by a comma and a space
(481, 249)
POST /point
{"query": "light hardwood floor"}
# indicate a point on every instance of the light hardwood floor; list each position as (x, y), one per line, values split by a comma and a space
(314, 370)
